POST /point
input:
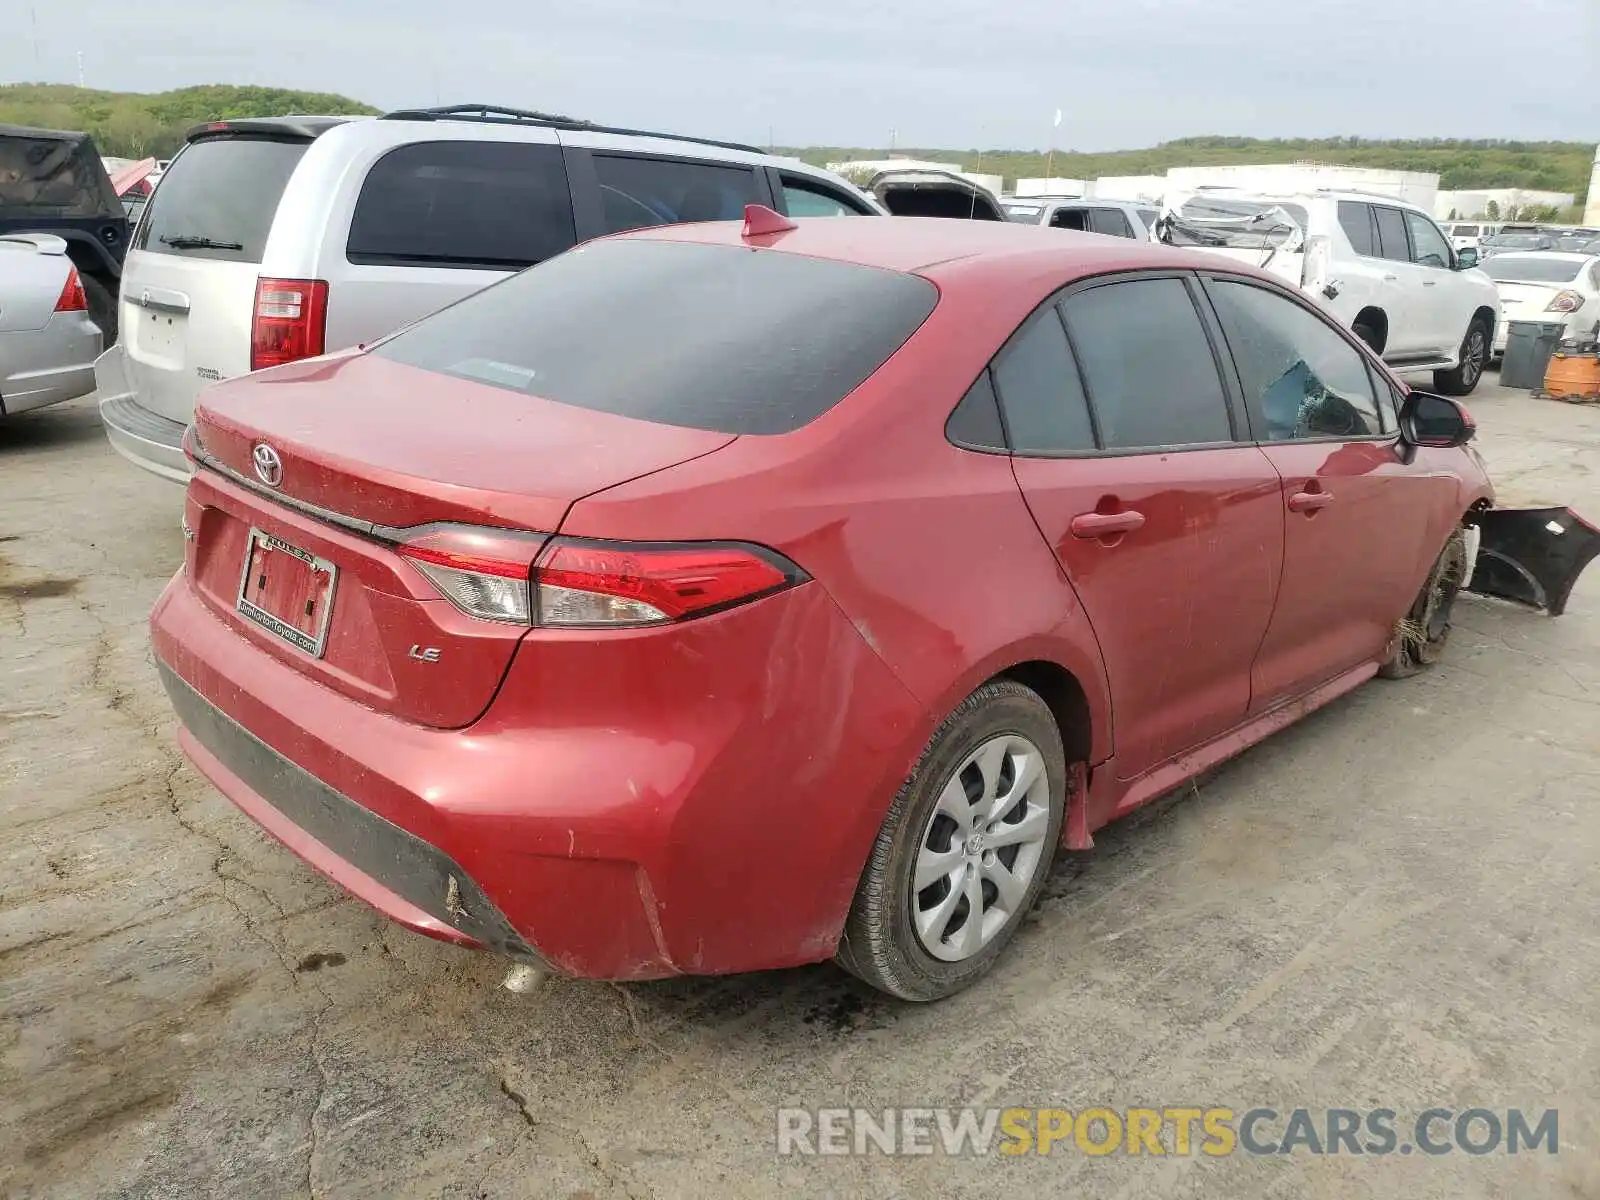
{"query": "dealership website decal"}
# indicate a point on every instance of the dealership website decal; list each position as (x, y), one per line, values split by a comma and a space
(1178, 1131)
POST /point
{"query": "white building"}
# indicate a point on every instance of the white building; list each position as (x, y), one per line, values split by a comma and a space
(1054, 186)
(1150, 188)
(1475, 202)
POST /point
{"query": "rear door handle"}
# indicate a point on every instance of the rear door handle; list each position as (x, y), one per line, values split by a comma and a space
(1099, 525)
(1309, 502)
(1391, 279)
(1430, 283)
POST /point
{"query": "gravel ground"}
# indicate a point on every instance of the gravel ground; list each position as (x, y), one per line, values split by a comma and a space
(1393, 904)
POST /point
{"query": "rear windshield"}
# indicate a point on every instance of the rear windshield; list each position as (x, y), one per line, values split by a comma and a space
(1465, 230)
(709, 337)
(218, 198)
(1533, 270)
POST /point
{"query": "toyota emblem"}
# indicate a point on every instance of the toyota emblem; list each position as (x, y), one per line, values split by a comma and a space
(269, 467)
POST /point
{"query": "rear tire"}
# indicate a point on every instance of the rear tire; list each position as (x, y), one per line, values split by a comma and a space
(980, 817)
(1470, 366)
(102, 309)
(1421, 635)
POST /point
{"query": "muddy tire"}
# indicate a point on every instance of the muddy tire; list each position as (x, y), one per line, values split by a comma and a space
(102, 309)
(1474, 357)
(1421, 635)
(964, 851)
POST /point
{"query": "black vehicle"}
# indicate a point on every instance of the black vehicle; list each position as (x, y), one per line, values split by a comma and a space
(54, 182)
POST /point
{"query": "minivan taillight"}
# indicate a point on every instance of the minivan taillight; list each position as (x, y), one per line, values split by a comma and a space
(72, 298)
(575, 582)
(290, 322)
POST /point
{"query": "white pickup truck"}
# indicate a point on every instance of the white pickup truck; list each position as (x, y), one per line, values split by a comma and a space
(1380, 265)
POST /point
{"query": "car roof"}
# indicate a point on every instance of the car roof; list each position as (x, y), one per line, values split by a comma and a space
(921, 244)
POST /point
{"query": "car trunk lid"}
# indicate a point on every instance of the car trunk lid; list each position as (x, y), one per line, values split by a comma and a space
(304, 557)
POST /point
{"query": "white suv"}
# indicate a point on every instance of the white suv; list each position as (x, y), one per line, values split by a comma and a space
(1379, 265)
(271, 240)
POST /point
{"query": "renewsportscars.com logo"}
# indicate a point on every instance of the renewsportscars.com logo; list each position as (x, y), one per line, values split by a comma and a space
(1177, 1131)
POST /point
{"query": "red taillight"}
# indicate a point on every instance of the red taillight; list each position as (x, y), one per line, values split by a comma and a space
(605, 583)
(491, 574)
(1565, 301)
(483, 572)
(72, 298)
(291, 321)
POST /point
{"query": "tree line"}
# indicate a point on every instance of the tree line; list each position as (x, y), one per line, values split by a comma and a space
(137, 125)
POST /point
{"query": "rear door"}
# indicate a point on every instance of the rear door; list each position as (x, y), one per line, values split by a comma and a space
(1356, 515)
(188, 285)
(1412, 323)
(1445, 309)
(1127, 450)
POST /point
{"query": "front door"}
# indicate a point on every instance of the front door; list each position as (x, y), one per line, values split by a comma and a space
(1170, 531)
(1356, 514)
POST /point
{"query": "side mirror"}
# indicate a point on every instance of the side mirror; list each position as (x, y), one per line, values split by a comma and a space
(1466, 258)
(1429, 420)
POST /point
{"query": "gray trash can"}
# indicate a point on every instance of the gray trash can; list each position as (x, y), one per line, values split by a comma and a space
(1529, 345)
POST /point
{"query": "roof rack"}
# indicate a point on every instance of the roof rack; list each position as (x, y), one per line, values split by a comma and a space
(497, 114)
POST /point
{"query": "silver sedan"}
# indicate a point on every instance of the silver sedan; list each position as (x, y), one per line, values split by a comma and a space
(48, 344)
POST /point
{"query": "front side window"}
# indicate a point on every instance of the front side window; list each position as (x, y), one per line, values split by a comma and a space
(493, 205)
(636, 191)
(1040, 391)
(808, 200)
(1147, 365)
(1070, 218)
(1431, 248)
(1308, 381)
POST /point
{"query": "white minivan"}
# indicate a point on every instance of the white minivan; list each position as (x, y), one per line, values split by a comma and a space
(276, 239)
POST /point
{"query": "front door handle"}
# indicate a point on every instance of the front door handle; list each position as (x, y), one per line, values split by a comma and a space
(1391, 279)
(1102, 525)
(1309, 502)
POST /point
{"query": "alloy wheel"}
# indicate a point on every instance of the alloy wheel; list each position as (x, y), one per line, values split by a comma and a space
(1472, 360)
(981, 848)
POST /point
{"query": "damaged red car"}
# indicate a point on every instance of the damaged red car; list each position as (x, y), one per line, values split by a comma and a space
(709, 599)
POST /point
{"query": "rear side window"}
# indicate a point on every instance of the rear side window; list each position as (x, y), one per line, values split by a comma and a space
(1040, 390)
(1392, 241)
(636, 192)
(1356, 220)
(1111, 221)
(1070, 218)
(707, 337)
(1148, 366)
(218, 198)
(496, 205)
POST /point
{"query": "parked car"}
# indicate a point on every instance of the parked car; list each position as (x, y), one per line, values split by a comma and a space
(1572, 240)
(53, 181)
(48, 342)
(925, 192)
(269, 240)
(1118, 218)
(712, 599)
(1505, 240)
(1548, 286)
(1465, 235)
(1381, 266)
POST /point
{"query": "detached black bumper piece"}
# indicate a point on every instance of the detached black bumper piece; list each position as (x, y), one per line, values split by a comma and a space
(1533, 555)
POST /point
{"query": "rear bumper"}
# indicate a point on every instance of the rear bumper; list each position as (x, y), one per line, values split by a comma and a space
(701, 805)
(144, 438)
(49, 365)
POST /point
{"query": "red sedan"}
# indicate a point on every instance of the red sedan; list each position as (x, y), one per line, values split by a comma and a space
(711, 599)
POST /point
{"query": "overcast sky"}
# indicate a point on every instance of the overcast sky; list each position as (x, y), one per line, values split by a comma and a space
(946, 73)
